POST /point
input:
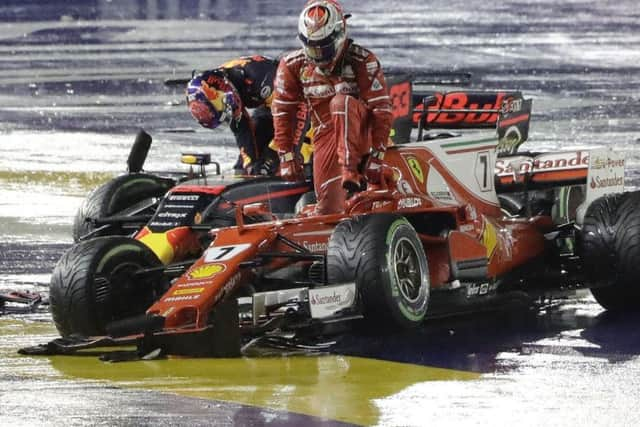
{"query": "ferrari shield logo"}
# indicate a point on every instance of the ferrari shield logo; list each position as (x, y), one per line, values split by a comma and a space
(416, 169)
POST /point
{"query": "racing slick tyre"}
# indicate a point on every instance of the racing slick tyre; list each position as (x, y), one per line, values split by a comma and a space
(113, 198)
(94, 284)
(609, 244)
(384, 256)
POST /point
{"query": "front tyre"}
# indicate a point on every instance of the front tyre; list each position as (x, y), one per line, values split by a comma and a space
(609, 244)
(96, 283)
(384, 256)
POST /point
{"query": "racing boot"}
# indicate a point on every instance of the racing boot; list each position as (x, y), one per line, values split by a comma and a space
(352, 181)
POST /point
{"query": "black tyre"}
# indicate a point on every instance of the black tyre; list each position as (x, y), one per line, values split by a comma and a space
(385, 257)
(609, 244)
(93, 284)
(113, 198)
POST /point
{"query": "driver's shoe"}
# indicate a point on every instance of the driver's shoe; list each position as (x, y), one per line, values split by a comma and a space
(352, 182)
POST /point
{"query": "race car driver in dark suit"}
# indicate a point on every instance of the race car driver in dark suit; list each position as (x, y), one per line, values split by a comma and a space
(223, 95)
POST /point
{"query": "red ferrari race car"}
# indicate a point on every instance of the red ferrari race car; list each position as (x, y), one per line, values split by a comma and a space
(220, 264)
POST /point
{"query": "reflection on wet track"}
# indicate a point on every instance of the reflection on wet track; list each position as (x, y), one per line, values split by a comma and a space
(80, 77)
(570, 361)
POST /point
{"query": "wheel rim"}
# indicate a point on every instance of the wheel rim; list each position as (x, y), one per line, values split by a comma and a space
(407, 269)
(116, 288)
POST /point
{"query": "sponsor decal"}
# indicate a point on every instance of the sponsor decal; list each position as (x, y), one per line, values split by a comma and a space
(206, 271)
(231, 284)
(184, 197)
(511, 105)
(467, 228)
(307, 74)
(376, 85)
(163, 224)
(301, 122)
(174, 215)
(265, 92)
(191, 284)
(478, 289)
(461, 101)
(319, 91)
(409, 202)
(315, 246)
(605, 174)
(188, 291)
(442, 196)
(169, 206)
(372, 67)
(598, 163)
(437, 187)
(328, 300)
(380, 204)
(416, 169)
(346, 88)
(404, 187)
(613, 181)
(182, 298)
(543, 163)
(228, 287)
(606, 163)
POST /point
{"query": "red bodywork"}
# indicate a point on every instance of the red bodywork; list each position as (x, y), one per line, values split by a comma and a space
(422, 187)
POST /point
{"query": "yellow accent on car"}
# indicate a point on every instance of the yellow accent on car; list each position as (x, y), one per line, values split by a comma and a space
(489, 238)
(160, 246)
(188, 159)
(188, 291)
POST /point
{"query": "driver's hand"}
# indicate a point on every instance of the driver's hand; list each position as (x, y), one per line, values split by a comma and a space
(291, 167)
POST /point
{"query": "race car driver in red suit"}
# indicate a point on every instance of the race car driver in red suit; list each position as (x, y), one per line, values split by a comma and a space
(344, 86)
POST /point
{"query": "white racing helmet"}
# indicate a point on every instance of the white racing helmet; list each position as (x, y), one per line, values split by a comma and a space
(322, 30)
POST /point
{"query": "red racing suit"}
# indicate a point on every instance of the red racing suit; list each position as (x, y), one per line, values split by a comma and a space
(350, 111)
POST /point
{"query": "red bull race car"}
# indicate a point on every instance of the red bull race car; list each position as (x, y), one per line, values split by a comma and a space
(208, 264)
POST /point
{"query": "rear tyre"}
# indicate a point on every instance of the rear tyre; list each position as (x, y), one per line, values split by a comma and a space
(93, 284)
(609, 244)
(113, 198)
(384, 256)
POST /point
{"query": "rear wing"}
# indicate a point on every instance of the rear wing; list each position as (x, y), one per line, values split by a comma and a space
(543, 170)
(507, 111)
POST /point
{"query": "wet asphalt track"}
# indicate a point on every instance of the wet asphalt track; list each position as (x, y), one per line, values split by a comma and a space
(80, 77)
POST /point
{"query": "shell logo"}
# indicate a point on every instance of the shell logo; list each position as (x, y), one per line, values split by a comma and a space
(205, 271)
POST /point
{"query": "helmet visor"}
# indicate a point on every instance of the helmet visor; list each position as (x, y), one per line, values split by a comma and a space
(321, 51)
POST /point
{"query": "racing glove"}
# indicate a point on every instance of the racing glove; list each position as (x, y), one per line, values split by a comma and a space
(290, 167)
(374, 169)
